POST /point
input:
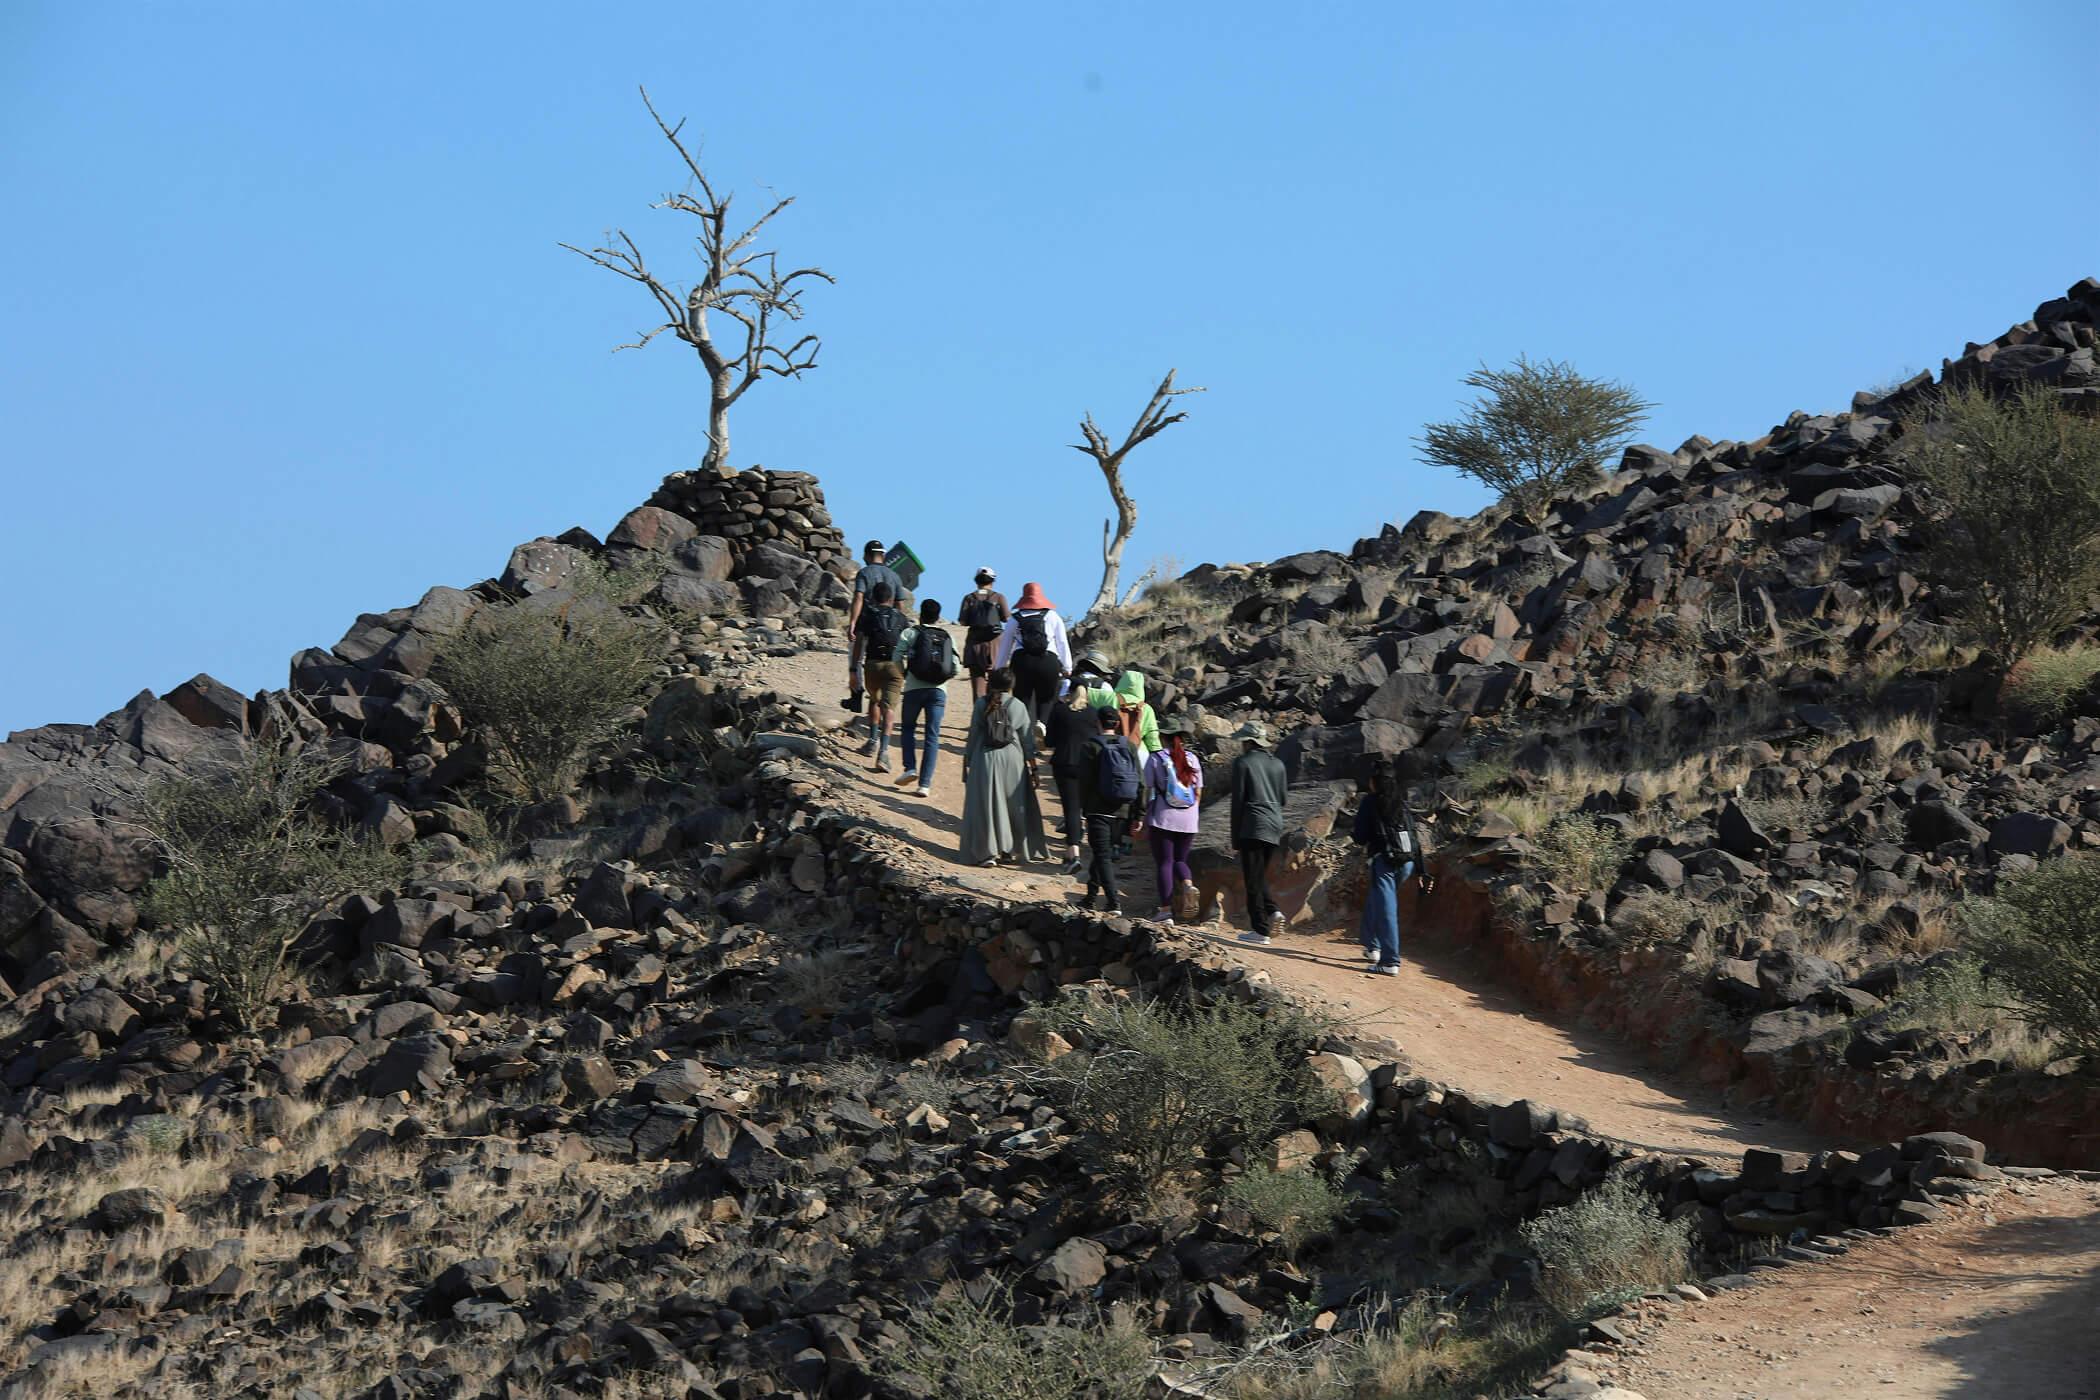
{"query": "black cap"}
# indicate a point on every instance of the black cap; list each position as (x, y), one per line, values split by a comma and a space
(874, 547)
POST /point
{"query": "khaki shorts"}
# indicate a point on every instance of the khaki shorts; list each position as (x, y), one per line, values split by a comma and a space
(885, 682)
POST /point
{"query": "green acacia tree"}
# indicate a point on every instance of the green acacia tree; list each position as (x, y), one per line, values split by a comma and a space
(1538, 430)
(2012, 486)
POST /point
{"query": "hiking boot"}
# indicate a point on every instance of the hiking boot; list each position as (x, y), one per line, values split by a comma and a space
(883, 763)
(867, 750)
(851, 702)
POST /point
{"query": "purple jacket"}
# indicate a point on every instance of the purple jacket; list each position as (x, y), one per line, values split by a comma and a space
(1159, 769)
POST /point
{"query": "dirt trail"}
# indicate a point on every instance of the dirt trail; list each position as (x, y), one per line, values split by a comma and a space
(1455, 1025)
(1997, 1302)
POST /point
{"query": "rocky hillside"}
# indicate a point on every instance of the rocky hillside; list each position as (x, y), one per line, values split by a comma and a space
(1726, 656)
(686, 1084)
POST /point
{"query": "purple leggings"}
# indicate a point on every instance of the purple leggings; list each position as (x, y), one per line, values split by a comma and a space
(1170, 855)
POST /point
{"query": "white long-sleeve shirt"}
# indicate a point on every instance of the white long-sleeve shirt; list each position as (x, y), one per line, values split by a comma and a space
(1010, 639)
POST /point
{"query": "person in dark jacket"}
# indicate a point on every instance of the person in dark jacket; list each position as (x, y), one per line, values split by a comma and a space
(1385, 827)
(1071, 729)
(1258, 786)
(1106, 813)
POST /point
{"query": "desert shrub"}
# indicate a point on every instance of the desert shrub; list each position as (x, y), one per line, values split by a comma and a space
(1582, 851)
(248, 865)
(544, 683)
(1786, 812)
(2040, 935)
(619, 588)
(1540, 431)
(2039, 688)
(1610, 1242)
(1157, 1084)
(818, 982)
(955, 1348)
(1486, 773)
(1417, 1349)
(1323, 651)
(2013, 486)
(1955, 994)
(1296, 1204)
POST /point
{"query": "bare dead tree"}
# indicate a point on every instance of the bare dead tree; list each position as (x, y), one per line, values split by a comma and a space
(1115, 534)
(743, 283)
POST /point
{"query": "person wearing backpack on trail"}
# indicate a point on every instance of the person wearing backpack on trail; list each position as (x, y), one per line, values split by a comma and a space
(996, 821)
(1138, 724)
(881, 625)
(984, 612)
(1108, 786)
(1035, 647)
(1174, 784)
(927, 654)
(1069, 734)
(872, 572)
(1259, 786)
(1385, 827)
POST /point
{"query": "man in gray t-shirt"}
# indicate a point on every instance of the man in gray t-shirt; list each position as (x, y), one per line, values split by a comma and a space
(872, 572)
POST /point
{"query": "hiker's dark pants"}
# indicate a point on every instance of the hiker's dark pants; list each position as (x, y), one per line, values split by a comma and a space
(1068, 797)
(1254, 874)
(1036, 675)
(1170, 859)
(1101, 841)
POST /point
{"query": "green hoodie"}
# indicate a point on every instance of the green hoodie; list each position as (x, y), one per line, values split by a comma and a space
(1130, 694)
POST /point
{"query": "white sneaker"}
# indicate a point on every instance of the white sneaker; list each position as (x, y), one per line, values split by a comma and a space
(1370, 955)
(925, 791)
(1258, 939)
(1276, 920)
(1387, 969)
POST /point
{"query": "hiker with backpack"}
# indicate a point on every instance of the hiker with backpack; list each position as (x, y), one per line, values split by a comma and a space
(1174, 785)
(927, 654)
(999, 821)
(1069, 735)
(881, 625)
(1138, 724)
(1108, 786)
(1035, 648)
(984, 612)
(872, 572)
(1385, 827)
(1259, 787)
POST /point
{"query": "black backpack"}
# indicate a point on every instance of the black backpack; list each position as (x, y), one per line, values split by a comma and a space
(1034, 632)
(998, 722)
(883, 625)
(980, 610)
(1116, 776)
(932, 655)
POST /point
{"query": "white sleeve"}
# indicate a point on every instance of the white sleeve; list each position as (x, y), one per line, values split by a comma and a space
(1004, 652)
(1059, 643)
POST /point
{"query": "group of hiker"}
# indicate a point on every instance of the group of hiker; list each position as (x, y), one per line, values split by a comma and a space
(1119, 770)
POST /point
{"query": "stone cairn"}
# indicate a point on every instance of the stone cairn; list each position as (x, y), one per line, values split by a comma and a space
(756, 506)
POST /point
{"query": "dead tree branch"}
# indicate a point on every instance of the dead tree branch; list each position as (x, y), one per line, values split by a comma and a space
(743, 283)
(1116, 533)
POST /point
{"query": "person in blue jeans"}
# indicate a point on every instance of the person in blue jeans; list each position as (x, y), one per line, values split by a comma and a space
(927, 671)
(1385, 827)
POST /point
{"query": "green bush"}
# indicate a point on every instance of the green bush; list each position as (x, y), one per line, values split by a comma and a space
(956, 1349)
(2013, 486)
(2040, 935)
(1156, 1085)
(1610, 1243)
(545, 681)
(1583, 852)
(2039, 689)
(1296, 1205)
(1540, 431)
(248, 866)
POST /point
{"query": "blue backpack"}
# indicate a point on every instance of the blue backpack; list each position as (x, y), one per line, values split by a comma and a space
(1117, 776)
(1176, 792)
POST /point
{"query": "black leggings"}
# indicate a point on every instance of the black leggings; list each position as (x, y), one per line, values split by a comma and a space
(1036, 675)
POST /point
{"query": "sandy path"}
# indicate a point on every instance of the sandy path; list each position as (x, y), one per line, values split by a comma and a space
(1998, 1302)
(1452, 1021)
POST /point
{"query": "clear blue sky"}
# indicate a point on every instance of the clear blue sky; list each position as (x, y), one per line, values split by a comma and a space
(288, 338)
